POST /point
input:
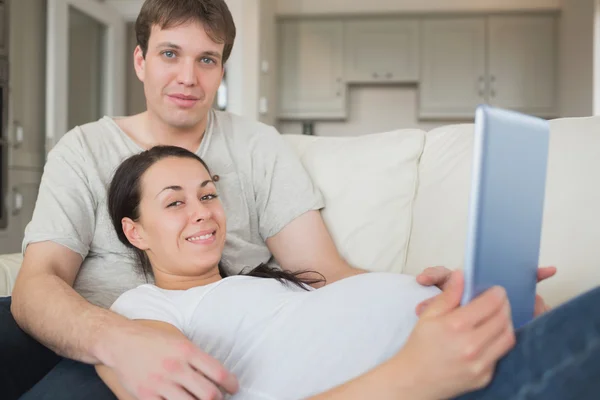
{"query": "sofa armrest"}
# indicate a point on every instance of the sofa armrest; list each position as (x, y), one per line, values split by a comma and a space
(9, 267)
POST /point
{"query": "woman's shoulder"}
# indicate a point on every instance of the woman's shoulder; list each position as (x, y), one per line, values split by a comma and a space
(138, 293)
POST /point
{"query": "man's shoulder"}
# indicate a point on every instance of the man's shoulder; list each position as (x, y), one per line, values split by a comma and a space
(96, 148)
(85, 136)
(242, 127)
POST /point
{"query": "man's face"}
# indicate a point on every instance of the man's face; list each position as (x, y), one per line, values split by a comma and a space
(181, 73)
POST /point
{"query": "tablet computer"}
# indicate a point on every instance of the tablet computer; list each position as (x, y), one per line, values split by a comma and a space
(506, 207)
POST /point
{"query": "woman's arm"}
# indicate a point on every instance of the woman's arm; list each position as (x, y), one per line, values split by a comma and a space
(390, 380)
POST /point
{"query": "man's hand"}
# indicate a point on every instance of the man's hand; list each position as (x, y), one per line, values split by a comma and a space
(440, 276)
(153, 362)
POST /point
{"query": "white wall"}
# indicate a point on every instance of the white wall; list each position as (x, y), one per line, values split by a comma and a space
(85, 69)
(268, 55)
(372, 109)
(576, 63)
(243, 66)
(307, 7)
(135, 99)
(596, 97)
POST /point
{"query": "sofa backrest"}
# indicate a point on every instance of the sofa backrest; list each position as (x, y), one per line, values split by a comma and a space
(571, 225)
(9, 267)
(369, 184)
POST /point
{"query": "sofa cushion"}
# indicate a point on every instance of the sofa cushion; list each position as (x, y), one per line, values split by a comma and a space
(369, 184)
(441, 206)
(9, 266)
(570, 234)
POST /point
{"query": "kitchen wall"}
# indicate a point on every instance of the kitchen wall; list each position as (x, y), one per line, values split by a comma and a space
(320, 7)
(381, 108)
(373, 109)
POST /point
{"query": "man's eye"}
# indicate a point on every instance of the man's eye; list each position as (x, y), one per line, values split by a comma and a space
(175, 203)
(169, 54)
(207, 60)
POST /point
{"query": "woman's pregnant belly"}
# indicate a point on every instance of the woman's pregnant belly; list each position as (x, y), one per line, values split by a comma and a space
(323, 338)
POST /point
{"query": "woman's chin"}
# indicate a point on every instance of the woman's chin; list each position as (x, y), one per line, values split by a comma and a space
(206, 261)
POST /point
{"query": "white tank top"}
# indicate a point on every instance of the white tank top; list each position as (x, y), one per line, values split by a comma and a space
(283, 342)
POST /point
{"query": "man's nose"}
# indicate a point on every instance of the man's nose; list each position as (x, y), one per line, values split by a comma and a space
(187, 73)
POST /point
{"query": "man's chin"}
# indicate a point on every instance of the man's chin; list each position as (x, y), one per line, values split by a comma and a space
(185, 120)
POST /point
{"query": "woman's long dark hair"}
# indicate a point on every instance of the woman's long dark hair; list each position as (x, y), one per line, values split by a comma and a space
(124, 196)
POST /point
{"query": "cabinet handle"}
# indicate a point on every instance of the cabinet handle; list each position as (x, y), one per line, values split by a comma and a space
(338, 93)
(492, 86)
(19, 136)
(389, 75)
(375, 75)
(17, 203)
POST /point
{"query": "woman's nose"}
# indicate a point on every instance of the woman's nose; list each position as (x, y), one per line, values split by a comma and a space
(201, 212)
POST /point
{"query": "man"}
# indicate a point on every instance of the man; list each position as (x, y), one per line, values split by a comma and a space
(74, 267)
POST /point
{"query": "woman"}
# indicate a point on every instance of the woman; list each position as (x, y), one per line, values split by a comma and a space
(282, 338)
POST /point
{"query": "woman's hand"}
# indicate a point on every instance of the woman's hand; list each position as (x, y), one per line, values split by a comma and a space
(453, 349)
(440, 276)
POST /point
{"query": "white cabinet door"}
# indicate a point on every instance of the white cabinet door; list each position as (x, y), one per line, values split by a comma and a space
(522, 63)
(452, 67)
(382, 50)
(21, 196)
(311, 71)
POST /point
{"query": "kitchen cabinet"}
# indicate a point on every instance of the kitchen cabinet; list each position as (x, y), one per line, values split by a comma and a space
(382, 50)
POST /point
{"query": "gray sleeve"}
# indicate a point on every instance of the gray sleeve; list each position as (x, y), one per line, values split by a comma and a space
(282, 186)
(65, 208)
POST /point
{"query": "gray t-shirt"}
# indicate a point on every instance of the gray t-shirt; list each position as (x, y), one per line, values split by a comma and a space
(263, 187)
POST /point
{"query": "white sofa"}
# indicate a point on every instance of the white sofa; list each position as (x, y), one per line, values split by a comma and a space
(397, 201)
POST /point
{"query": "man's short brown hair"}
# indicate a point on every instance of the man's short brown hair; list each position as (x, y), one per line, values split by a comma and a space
(214, 15)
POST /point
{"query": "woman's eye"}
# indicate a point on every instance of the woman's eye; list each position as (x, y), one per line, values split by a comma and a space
(209, 197)
(175, 203)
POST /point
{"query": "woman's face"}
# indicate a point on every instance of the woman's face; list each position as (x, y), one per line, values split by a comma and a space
(182, 222)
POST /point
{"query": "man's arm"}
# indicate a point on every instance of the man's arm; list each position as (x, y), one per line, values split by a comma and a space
(46, 306)
(305, 244)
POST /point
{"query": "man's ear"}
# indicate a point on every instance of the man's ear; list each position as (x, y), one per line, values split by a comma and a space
(139, 63)
(134, 233)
